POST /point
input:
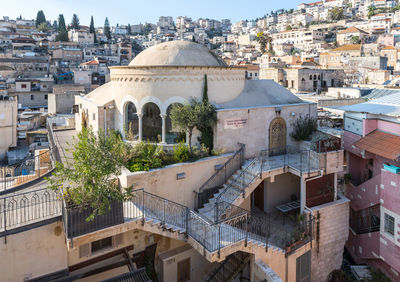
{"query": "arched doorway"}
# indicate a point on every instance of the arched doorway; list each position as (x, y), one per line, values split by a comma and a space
(152, 123)
(277, 136)
(131, 126)
(173, 135)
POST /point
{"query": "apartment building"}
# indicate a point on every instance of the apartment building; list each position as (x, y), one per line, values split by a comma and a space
(372, 149)
(305, 79)
(8, 123)
(81, 36)
(350, 35)
(391, 53)
(302, 39)
(32, 92)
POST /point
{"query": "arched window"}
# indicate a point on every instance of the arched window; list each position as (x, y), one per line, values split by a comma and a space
(315, 77)
(310, 76)
(277, 136)
(173, 136)
(131, 122)
(152, 123)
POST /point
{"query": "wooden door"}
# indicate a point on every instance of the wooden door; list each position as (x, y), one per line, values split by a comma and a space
(184, 270)
(277, 137)
(259, 196)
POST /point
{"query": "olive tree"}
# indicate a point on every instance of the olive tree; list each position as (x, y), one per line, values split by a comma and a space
(88, 179)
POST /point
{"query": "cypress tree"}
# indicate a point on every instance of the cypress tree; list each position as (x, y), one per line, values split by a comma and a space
(129, 29)
(75, 22)
(207, 132)
(62, 30)
(40, 18)
(55, 26)
(205, 90)
(92, 29)
(107, 30)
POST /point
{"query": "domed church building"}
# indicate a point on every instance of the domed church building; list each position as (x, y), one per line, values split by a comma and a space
(138, 99)
(265, 207)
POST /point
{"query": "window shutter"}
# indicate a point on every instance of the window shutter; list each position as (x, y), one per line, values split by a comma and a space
(84, 250)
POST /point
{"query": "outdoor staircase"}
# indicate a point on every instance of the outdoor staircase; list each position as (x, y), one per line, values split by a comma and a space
(229, 268)
(214, 240)
(240, 185)
(252, 172)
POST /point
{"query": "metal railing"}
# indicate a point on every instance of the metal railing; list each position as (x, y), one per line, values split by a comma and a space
(27, 170)
(230, 267)
(302, 234)
(27, 208)
(238, 184)
(215, 182)
(301, 160)
(52, 143)
(366, 220)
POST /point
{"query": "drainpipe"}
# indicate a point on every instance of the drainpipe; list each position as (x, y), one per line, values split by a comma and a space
(303, 189)
(105, 120)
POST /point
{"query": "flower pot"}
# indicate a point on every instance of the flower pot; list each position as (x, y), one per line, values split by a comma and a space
(76, 223)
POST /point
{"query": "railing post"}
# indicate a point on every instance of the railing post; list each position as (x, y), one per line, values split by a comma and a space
(219, 241)
(187, 221)
(247, 230)
(143, 208)
(38, 164)
(163, 220)
(5, 221)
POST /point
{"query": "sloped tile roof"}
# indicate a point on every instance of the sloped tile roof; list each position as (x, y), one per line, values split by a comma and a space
(381, 143)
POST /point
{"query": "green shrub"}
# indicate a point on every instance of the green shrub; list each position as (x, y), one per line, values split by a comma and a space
(303, 128)
(145, 156)
(181, 153)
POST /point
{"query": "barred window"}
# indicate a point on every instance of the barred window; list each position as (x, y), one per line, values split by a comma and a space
(389, 224)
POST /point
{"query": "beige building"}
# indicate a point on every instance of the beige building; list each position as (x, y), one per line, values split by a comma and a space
(338, 57)
(391, 53)
(81, 36)
(305, 79)
(350, 35)
(231, 221)
(8, 124)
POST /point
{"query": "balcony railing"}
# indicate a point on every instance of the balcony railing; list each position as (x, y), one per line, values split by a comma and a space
(366, 220)
(27, 208)
(219, 178)
(23, 172)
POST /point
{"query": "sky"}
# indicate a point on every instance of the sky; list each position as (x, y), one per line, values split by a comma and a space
(134, 11)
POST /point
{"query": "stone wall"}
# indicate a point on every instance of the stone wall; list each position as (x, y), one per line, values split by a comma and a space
(254, 132)
(33, 253)
(164, 183)
(330, 237)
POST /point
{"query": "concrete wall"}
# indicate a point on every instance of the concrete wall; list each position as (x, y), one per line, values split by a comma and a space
(331, 235)
(337, 92)
(199, 266)
(8, 125)
(280, 190)
(163, 182)
(60, 103)
(24, 99)
(33, 253)
(255, 132)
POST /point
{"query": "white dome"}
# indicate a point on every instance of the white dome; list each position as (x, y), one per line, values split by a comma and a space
(177, 53)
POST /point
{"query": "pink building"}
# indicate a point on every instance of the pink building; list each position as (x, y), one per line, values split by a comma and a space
(372, 144)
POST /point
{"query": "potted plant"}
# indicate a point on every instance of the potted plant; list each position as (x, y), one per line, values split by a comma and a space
(89, 188)
(347, 178)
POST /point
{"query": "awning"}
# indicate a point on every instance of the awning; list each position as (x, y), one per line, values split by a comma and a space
(380, 143)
